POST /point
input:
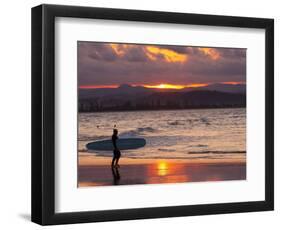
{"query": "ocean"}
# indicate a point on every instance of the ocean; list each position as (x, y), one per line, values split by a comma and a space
(170, 134)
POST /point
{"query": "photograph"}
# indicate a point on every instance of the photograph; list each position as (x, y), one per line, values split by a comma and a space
(154, 114)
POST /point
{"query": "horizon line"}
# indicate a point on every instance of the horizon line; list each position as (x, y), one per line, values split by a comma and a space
(161, 85)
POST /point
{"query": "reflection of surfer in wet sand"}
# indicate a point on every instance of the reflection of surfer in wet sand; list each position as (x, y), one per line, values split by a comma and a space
(116, 151)
(116, 175)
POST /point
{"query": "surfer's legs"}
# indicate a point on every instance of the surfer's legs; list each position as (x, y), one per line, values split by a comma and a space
(118, 155)
(113, 160)
(116, 162)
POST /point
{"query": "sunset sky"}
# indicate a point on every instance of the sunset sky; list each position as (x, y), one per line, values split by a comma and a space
(102, 65)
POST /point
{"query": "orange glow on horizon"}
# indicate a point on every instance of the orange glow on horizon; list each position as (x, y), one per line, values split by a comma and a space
(233, 82)
(164, 86)
(171, 86)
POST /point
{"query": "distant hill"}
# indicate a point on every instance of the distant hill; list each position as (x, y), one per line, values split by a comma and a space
(126, 89)
(227, 88)
(121, 90)
(127, 97)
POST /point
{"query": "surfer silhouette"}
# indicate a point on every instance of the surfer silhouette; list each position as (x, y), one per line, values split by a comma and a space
(116, 151)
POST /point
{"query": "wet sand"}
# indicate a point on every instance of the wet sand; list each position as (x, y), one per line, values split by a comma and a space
(97, 171)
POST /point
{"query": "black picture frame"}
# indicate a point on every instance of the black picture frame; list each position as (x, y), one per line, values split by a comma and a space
(43, 110)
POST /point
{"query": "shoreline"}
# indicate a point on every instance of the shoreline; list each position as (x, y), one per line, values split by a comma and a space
(164, 109)
(89, 160)
(97, 172)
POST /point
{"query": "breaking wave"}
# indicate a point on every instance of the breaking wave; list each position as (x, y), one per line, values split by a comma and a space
(137, 132)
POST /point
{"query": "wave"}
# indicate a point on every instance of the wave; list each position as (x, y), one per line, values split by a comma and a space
(91, 138)
(146, 129)
(137, 132)
(109, 155)
(131, 133)
(216, 152)
(167, 150)
(205, 120)
(199, 146)
(175, 123)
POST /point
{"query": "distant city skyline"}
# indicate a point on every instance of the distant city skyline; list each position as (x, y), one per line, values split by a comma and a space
(109, 65)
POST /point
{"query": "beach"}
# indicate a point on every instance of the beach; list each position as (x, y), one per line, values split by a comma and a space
(96, 171)
(181, 146)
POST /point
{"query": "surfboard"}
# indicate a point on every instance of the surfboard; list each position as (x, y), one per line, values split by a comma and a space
(122, 144)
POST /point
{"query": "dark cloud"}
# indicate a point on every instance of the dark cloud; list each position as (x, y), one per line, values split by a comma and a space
(178, 49)
(100, 64)
(101, 52)
(135, 54)
(233, 53)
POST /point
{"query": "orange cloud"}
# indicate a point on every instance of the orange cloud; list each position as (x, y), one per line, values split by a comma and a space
(210, 52)
(168, 55)
(119, 49)
(152, 52)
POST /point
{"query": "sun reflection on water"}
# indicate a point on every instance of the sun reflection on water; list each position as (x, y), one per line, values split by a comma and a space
(162, 168)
